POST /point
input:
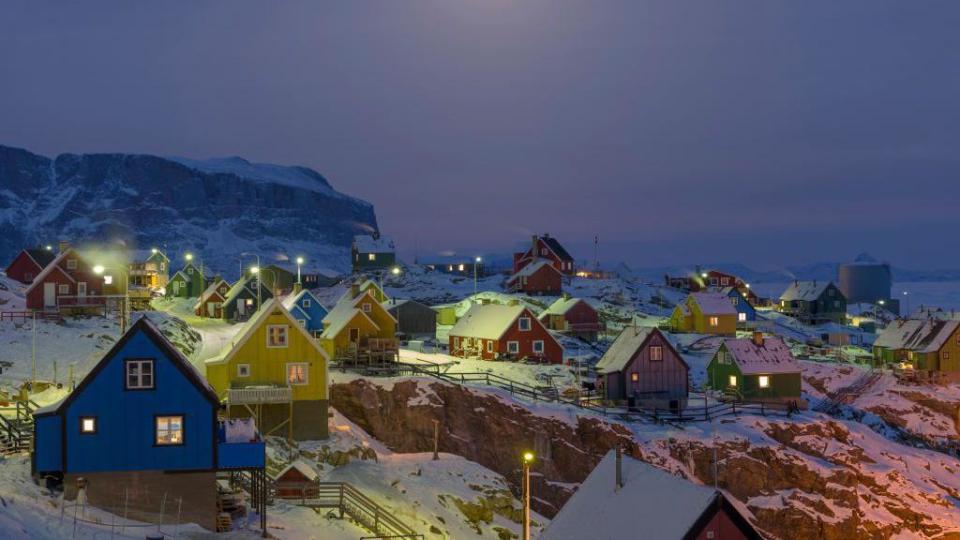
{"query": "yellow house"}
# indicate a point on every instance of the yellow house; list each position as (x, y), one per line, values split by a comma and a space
(370, 285)
(357, 315)
(705, 313)
(275, 371)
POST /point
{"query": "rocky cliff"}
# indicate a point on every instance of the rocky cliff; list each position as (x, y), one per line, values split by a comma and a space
(218, 208)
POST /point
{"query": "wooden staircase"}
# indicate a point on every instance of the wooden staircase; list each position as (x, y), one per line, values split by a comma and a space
(16, 427)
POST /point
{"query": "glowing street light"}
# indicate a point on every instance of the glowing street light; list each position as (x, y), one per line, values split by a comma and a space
(108, 280)
(299, 262)
(154, 251)
(476, 261)
(527, 460)
(49, 248)
(254, 269)
(188, 256)
(395, 270)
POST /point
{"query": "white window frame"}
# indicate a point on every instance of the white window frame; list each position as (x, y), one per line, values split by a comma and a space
(63, 288)
(71, 264)
(306, 302)
(365, 307)
(285, 334)
(303, 323)
(140, 363)
(190, 271)
(533, 346)
(306, 373)
(243, 370)
(168, 417)
(763, 381)
(513, 347)
(520, 322)
(742, 317)
(658, 357)
(489, 345)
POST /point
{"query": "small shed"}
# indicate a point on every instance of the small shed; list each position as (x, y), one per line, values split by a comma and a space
(297, 480)
(413, 318)
(643, 366)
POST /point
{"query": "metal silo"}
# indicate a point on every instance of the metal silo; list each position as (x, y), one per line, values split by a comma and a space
(864, 280)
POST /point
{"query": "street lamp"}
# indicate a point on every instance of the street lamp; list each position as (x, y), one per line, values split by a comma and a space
(906, 296)
(188, 257)
(99, 270)
(253, 270)
(476, 261)
(299, 262)
(527, 460)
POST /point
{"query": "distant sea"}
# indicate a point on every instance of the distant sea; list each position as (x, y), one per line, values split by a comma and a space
(945, 294)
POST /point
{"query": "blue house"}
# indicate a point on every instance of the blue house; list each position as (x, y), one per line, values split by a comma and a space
(306, 309)
(142, 413)
(745, 311)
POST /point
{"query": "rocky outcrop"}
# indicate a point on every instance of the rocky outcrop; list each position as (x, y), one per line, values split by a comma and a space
(215, 207)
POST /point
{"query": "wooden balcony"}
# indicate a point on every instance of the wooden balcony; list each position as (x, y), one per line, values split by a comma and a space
(259, 395)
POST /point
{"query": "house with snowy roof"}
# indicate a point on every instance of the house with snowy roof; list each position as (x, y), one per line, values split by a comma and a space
(814, 302)
(142, 421)
(276, 372)
(150, 269)
(243, 298)
(746, 312)
(68, 281)
(307, 310)
(705, 313)
(927, 345)
(643, 366)
(574, 317)
(298, 480)
(187, 282)
(933, 312)
(500, 332)
(536, 278)
(29, 263)
(757, 369)
(414, 319)
(356, 324)
(544, 247)
(372, 252)
(210, 303)
(624, 497)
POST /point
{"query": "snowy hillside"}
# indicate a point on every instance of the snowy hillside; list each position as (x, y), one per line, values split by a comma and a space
(219, 207)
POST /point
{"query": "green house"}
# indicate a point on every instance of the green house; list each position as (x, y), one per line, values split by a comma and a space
(372, 253)
(755, 369)
(896, 340)
(241, 301)
(178, 286)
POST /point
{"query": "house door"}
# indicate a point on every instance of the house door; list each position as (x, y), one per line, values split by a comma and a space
(212, 309)
(241, 307)
(49, 295)
(81, 291)
(355, 335)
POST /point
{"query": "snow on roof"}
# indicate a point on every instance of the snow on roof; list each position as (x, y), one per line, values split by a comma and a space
(532, 268)
(368, 244)
(561, 306)
(713, 303)
(208, 292)
(250, 327)
(651, 500)
(50, 268)
(300, 466)
(898, 333)
(293, 299)
(772, 357)
(624, 348)
(940, 332)
(343, 312)
(487, 321)
(805, 290)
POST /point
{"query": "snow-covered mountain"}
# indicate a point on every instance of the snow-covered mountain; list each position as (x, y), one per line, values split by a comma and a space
(217, 208)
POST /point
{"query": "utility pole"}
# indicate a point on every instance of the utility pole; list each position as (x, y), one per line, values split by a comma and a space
(33, 380)
(476, 261)
(527, 460)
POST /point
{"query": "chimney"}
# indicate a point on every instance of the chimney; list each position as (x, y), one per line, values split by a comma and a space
(63, 245)
(534, 252)
(757, 338)
(619, 468)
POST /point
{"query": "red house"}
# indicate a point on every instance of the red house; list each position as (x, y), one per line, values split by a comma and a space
(712, 279)
(211, 300)
(540, 277)
(573, 316)
(297, 481)
(544, 247)
(498, 332)
(67, 281)
(29, 263)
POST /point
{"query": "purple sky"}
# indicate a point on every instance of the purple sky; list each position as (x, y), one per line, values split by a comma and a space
(762, 132)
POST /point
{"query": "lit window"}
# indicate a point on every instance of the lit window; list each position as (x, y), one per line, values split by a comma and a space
(306, 302)
(71, 264)
(297, 374)
(742, 317)
(108, 280)
(366, 308)
(721, 357)
(371, 256)
(243, 370)
(524, 324)
(733, 380)
(714, 321)
(64, 289)
(88, 424)
(656, 353)
(450, 268)
(538, 346)
(249, 301)
(513, 347)
(764, 381)
(139, 374)
(634, 377)
(276, 335)
(169, 430)
(190, 271)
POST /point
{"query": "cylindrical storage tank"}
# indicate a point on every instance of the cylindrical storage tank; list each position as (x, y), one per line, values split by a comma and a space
(865, 280)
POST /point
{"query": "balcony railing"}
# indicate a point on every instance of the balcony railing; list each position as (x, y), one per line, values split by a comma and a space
(240, 454)
(253, 395)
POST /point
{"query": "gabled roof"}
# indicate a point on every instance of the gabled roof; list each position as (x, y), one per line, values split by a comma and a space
(176, 357)
(338, 318)
(555, 247)
(181, 274)
(487, 321)
(808, 291)
(625, 347)
(41, 256)
(244, 283)
(210, 291)
(772, 357)
(300, 466)
(292, 300)
(712, 303)
(48, 269)
(533, 268)
(898, 333)
(940, 332)
(368, 244)
(562, 305)
(651, 500)
(250, 327)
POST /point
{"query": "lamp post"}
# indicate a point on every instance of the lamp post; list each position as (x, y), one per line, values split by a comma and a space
(253, 270)
(476, 261)
(99, 270)
(256, 270)
(527, 460)
(906, 296)
(299, 262)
